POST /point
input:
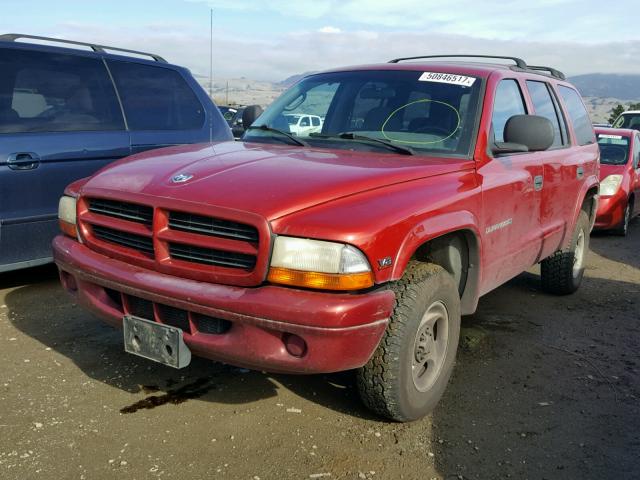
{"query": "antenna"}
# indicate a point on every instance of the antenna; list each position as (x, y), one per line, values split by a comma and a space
(211, 72)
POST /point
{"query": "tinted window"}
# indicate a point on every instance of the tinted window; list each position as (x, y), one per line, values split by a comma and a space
(44, 92)
(156, 98)
(544, 106)
(578, 115)
(614, 149)
(628, 120)
(508, 102)
(315, 121)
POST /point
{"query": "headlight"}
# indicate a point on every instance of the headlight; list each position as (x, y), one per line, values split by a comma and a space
(610, 185)
(67, 216)
(319, 264)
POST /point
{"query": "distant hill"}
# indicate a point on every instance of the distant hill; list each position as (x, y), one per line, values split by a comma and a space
(287, 82)
(608, 85)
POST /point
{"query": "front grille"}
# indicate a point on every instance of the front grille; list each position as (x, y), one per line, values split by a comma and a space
(175, 317)
(215, 227)
(210, 256)
(125, 239)
(210, 325)
(123, 210)
(140, 307)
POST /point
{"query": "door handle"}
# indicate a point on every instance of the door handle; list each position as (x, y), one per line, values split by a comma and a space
(537, 182)
(23, 161)
(579, 173)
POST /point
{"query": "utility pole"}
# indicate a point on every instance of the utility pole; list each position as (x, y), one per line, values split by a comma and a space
(211, 55)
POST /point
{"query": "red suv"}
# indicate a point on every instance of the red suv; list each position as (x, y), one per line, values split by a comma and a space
(619, 178)
(358, 246)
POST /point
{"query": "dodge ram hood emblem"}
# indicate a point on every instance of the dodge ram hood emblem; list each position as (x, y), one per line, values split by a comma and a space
(181, 178)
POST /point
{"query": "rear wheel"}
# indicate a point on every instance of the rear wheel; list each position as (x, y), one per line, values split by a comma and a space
(562, 272)
(408, 373)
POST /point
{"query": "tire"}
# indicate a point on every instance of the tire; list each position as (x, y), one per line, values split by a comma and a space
(562, 272)
(423, 330)
(623, 229)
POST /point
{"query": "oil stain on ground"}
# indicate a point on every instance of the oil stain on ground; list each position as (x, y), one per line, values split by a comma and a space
(176, 396)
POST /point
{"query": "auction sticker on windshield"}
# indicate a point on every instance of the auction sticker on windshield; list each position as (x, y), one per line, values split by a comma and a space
(449, 78)
(613, 137)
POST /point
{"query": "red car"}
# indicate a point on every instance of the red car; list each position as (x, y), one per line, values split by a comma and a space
(356, 247)
(619, 178)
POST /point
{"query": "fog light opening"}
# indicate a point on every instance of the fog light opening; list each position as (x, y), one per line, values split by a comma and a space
(69, 281)
(295, 345)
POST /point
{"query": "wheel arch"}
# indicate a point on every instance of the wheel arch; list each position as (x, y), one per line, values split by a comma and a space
(456, 248)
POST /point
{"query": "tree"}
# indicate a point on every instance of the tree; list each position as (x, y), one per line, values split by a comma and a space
(615, 113)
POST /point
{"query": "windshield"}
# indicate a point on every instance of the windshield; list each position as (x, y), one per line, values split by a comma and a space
(614, 149)
(426, 112)
(628, 120)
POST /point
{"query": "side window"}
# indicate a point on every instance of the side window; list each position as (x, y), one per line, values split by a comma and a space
(156, 98)
(578, 115)
(636, 153)
(544, 106)
(44, 92)
(304, 122)
(508, 102)
(315, 121)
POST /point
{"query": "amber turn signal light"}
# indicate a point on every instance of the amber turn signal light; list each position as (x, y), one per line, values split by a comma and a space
(68, 229)
(321, 281)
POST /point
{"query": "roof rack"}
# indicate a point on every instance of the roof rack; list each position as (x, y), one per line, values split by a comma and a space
(518, 61)
(12, 37)
(554, 73)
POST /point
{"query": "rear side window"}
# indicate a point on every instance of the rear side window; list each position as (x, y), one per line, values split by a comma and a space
(508, 102)
(45, 92)
(544, 106)
(578, 115)
(156, 98)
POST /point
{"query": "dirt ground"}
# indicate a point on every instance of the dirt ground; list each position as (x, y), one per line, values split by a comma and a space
(544, 388)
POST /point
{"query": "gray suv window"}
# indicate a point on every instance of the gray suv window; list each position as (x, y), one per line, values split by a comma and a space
(508, 102)
(156, 98)
(44, 92)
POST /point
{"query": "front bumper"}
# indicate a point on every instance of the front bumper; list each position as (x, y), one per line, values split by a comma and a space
(610, 211)
(340, 331)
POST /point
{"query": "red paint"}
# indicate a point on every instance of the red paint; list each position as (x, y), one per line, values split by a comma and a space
(385, 204)
(611, 208)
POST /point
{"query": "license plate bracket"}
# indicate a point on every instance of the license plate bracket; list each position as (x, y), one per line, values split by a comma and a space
(155, 341)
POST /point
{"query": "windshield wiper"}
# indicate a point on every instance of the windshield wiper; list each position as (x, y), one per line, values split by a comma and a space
(267, 128)
(365, 139)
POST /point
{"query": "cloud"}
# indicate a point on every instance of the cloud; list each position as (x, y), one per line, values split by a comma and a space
(280, 56)
(329, 29)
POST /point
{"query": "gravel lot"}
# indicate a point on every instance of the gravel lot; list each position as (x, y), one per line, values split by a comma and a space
(544, 387)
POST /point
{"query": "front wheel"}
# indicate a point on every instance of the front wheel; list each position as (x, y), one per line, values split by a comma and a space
(623, 229)
(408, 373)
(562, 272)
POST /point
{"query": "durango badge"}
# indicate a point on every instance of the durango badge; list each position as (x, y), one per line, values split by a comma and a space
(181, 178)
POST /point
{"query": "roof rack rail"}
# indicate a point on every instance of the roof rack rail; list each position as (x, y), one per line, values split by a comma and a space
(518, 61)
(12, 37)
(554, 73)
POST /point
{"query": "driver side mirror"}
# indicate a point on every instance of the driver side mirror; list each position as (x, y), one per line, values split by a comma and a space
(525, 133)
(250, 114)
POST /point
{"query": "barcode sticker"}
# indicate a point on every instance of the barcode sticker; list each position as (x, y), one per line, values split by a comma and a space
(613, 137)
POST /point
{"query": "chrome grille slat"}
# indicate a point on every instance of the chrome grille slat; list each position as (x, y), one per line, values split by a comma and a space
(210, 256)
(125, 239)
(123, 210)
(215, 227)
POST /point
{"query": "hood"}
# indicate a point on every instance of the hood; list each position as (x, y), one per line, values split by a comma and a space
(269, 180)
(606, 170)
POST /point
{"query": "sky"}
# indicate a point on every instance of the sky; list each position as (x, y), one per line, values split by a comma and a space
(273, 39)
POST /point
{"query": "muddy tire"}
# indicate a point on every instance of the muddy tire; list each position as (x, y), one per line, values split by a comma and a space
(409, 371)
(562, 272)
(623, 229)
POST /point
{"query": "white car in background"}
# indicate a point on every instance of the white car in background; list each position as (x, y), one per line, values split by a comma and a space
(302, 125)
(628, 119)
